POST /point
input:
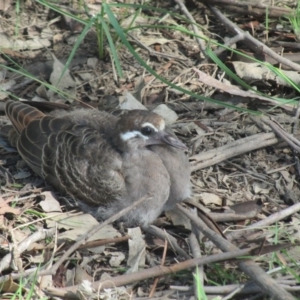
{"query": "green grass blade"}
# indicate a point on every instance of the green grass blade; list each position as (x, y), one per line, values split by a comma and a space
(124, 40)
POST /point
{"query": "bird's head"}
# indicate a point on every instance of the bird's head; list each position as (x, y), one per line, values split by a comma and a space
(141, 128)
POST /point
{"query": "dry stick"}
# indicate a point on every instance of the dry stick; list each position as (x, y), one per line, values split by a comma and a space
(163, 235)
(83, 238)
(250, 288)
(232, 217)
(14, 193)
(228, 43)
(264, 281)
(273, 11)
(195, 247)
(296, 121)
(266, 222)
(98, 243)
(195, 28)
(294, 132)
(156, 53)
(153, 272)
(245, 170)
(22, 246)
(234, 90)
(225, 217)
(241, 146)
(235, 292)
(51, 258)
(192, 106)
(225, 289)
(78, 243)
(257, 45)
(288, 138)
(162, 263)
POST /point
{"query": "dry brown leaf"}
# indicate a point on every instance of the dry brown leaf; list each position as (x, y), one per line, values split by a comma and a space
(178, 218)
(5, 208)
(76, 225)
(10, 287)
(49, 204)
(210, 198)
(65, 83)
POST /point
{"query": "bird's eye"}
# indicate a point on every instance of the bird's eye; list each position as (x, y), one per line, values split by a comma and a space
(147, 130)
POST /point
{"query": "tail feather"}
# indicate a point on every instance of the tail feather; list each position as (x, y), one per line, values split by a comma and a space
(27, 136)
(21, 114)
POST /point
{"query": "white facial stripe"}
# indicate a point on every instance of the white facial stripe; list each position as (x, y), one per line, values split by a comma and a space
(150, 125)
(131, 134)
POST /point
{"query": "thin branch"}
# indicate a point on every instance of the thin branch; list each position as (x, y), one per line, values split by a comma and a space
(252, 42)
(256, 273)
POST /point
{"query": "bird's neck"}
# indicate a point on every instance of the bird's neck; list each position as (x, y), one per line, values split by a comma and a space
(129, 146)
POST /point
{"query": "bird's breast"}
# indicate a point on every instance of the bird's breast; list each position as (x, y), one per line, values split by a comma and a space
(144, 172)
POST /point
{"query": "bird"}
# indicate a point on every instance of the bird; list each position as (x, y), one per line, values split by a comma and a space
(102, 161)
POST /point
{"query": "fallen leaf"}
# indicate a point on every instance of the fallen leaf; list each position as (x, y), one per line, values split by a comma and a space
(168, 114)
(116, 259)
(5, 208)
(209, 198)
(129, 102)
(137, 253)
(49, 204)
(76, 225)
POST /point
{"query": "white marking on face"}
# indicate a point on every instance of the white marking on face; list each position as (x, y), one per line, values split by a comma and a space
(131, 134)
(150, 125)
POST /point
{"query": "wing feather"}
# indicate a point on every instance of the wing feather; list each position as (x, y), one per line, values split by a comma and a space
(74, 157)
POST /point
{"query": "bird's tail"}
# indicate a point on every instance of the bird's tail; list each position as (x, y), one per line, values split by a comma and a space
(21, 114)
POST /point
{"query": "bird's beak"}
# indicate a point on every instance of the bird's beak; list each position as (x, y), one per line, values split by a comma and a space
(163, 137)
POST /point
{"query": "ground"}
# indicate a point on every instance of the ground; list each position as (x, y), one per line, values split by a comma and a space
(238, 117)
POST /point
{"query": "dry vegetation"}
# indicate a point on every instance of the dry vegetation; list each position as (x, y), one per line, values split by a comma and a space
(243, 148)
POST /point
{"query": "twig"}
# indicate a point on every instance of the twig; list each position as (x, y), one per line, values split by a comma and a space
(241, 146)
(276, 217)
(162, 263)
(156, 53)
(264, 281)
(234, 90)
(252, 42)
(198, 270)
(103, 242)
(250, 288)
(23, 246)
(238, 37)
(75, 246)
(232, 217)
(294, 132)
(83, 238)
(195, 28)
(154, 272)
(256, 8)
(288, 138)
(163, 235)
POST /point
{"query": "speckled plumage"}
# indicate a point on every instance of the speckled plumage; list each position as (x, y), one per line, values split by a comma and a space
(88, 155)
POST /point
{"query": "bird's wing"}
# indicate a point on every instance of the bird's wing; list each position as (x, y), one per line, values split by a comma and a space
(74, 158)
(84, 165)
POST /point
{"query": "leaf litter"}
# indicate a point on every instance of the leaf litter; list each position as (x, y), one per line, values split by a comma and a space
(268, 174)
